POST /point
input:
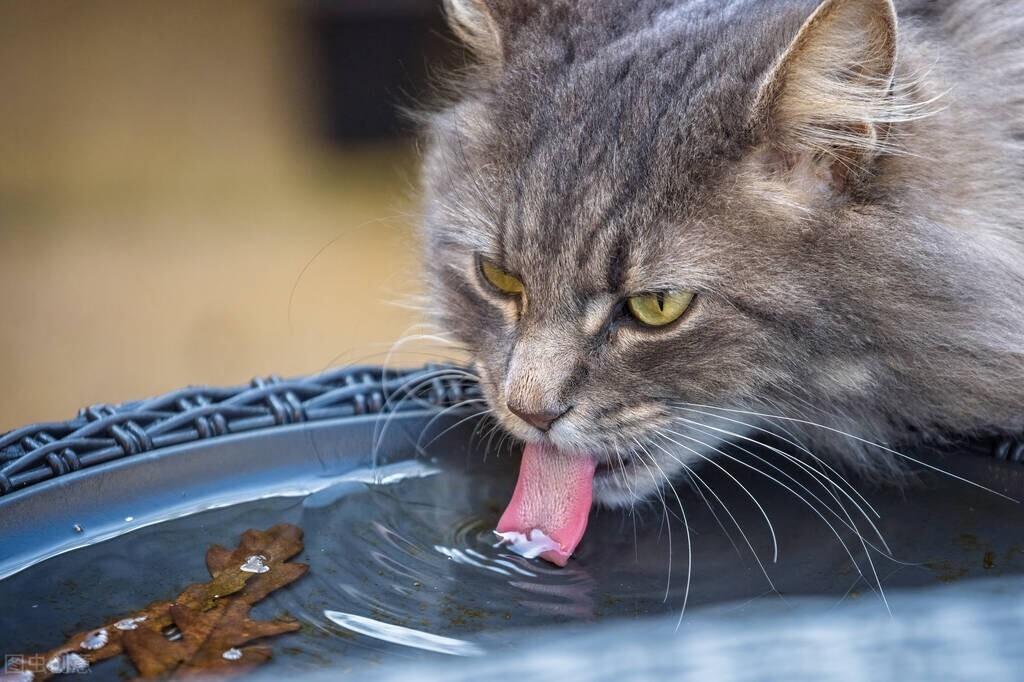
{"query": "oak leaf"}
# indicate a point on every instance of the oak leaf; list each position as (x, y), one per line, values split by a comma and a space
(212, 617)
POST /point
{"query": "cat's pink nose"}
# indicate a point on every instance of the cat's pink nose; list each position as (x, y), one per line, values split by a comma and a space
(541, 420)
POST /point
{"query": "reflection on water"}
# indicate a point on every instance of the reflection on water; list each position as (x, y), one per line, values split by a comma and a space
(403, 636)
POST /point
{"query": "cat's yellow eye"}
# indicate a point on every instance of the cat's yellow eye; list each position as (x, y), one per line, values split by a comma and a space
(661, 308)
(501, 280)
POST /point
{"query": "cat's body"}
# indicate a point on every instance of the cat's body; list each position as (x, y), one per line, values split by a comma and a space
(849, 216)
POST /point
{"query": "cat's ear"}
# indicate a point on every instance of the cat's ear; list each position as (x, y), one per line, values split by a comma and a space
(476, 24)
(828, 99)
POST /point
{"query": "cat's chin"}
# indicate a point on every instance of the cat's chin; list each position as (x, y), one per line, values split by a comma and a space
(624, 486)
(626, 480)
(621, 488)
(614, 495)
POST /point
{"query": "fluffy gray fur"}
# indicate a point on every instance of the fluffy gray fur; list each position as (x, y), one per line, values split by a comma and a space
(842, 189)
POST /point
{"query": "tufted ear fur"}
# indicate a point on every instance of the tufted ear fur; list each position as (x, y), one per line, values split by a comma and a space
(475, 23)
(829, 102)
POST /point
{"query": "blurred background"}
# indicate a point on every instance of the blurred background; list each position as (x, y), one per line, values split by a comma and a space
(203, 191)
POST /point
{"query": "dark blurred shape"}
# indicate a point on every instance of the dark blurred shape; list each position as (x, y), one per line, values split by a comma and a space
(372, 60)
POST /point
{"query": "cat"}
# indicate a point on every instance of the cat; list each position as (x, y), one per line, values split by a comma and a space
(658, 225)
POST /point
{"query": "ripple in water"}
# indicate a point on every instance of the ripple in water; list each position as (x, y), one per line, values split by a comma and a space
(414, 568)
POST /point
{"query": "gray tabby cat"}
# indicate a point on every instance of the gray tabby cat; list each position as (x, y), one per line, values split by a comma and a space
(658, 224)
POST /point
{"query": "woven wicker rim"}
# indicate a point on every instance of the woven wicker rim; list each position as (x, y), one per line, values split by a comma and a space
(104, 433)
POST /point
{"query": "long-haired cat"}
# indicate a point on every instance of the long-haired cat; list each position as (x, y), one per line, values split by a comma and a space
(661, 224)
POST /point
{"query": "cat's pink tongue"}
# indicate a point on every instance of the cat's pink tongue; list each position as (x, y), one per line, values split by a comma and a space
(552, 496)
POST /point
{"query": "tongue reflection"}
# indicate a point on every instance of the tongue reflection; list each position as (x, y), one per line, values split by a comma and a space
(548, 512)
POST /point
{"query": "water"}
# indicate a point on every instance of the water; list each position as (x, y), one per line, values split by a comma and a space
(411, 568)
(531, 544)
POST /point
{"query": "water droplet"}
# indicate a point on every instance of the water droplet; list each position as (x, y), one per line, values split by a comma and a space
(78, 528)
(257, 563)
(96, 640)
(67, 664)
(232, 654)
(129, 623)
(129, 519)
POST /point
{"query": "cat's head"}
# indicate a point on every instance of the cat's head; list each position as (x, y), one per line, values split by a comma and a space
(638, 208)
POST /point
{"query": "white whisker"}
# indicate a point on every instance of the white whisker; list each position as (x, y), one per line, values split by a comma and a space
(804, 466)
(771, 528)
(409, 389)
(689, 542)
(666, 520)
(452, 408)
(735, 522)
(695, 483)
(860, 440)
(795, 444)
(860, 536)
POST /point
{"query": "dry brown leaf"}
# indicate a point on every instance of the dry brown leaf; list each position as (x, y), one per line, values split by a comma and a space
(205, 637)
(213, 617)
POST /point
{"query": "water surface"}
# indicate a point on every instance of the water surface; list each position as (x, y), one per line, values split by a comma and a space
(410, 568)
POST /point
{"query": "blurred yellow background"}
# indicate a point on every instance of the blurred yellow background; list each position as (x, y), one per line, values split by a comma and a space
(161, 192)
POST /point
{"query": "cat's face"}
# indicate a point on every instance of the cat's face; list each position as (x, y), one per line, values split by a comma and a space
(569, 345)
(567, 193)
